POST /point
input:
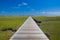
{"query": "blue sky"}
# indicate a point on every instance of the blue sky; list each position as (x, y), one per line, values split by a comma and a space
(30, 7)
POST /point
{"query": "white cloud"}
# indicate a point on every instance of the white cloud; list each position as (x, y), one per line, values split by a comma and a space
(20, 5)
(24, 3)
(45, 13)
(51, 13)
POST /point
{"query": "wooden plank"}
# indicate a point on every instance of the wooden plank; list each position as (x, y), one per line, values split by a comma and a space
(29, 31)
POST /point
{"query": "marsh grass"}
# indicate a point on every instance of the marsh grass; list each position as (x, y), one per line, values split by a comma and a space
(7, 22)
(50, 26)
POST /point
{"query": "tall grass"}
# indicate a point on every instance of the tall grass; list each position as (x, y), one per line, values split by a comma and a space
(7, 22)
(50, 26)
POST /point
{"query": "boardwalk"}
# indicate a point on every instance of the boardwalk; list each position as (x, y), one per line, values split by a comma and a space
(29, 31)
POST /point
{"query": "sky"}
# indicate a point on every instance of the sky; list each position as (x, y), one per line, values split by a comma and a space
(30, 7)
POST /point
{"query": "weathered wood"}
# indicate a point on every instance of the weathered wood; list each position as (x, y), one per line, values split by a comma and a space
(29, 31)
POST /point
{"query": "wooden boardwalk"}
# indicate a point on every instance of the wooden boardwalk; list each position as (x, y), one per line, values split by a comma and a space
(29, 31)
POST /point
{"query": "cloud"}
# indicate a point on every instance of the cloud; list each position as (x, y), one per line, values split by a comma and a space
(45, 13)
(51, 13)
(23, 3)
(20, 5)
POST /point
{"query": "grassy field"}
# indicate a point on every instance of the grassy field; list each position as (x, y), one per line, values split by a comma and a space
(12, 22)
(50, 26)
